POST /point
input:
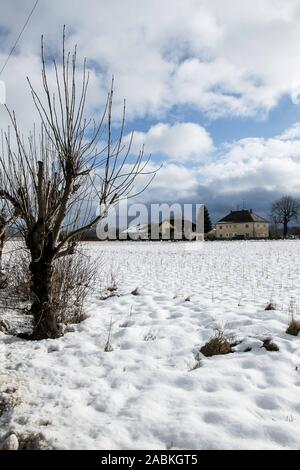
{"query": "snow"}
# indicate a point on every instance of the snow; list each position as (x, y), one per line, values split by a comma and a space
(154, 391)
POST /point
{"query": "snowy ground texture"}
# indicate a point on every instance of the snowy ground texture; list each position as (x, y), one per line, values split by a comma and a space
(150, 392)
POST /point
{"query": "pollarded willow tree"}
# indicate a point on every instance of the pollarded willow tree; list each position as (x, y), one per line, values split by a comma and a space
(54, 179)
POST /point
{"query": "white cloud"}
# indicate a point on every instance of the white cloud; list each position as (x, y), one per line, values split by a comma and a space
(271, 164)
(18, 95)
(181, 141)
(224, 58)
(173, 182)
(292, 133)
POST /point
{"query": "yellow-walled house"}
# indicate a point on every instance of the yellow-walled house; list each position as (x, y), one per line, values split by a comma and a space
(244, 224)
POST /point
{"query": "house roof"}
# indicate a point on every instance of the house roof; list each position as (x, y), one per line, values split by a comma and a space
(242, 217)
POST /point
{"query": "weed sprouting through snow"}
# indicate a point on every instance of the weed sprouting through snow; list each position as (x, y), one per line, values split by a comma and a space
(108, 346)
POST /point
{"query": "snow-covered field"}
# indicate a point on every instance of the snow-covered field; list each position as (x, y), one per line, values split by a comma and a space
(152, 391)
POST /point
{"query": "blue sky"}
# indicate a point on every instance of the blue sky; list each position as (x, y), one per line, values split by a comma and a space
(212, 88)
(281, 117)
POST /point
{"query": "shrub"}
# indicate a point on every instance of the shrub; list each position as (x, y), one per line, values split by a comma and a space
(293, 328)
(217, 345)
(3, 326)
(18, 275)
(111, 290)
(32, 441)
(108, 346)
(269, 345)
(9, 399)
(270, 306)
(73, 276)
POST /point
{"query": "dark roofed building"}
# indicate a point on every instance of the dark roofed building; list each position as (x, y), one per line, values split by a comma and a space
(169, 229)
(244, 224)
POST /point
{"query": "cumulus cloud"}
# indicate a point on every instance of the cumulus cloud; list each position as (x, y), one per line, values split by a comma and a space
(229, 58)
(181, 141)
(171, 181)
(273, 164)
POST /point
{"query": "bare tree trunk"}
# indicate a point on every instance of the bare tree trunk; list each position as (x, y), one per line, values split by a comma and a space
(42, 309)
(2, 239)
(285, 229)
(41, 269)
(3, 278)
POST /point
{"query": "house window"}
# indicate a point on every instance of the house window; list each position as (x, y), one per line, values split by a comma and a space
(247, 226)
(220, 227)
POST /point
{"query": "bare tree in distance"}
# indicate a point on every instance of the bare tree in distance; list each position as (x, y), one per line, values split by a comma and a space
(284, 211)
(54, 178)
